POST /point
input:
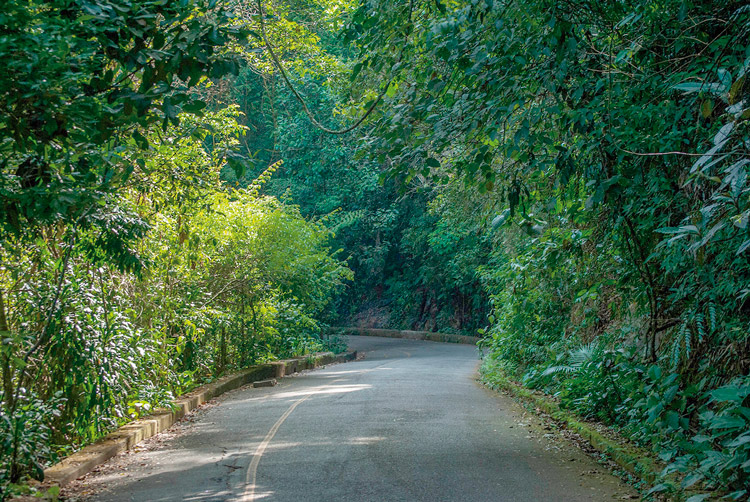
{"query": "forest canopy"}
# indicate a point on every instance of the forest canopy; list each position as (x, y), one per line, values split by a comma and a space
(568, 179)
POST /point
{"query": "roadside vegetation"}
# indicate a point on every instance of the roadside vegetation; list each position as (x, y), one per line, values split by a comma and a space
(597, 154)
(131, 270)
(568, 179)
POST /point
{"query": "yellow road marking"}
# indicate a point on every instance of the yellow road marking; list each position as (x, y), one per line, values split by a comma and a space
(252, 470)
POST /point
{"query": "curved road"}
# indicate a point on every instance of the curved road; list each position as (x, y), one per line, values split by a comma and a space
(407, 423)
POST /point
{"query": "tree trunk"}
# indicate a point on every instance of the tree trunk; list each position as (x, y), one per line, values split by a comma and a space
(5, 360)
(223, 349)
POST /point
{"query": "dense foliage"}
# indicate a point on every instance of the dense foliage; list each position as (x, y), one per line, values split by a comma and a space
(394, 242)
(615, 135)
(130, 271)
(568, 178)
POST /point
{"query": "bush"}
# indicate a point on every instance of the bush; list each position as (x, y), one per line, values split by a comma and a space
(161, 289)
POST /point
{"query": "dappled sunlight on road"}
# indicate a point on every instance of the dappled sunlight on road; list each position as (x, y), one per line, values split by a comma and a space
(354, 441)
(323, 389)
(411, 429)
(263, 495)
(329, 374)
(187, 461)
(313, 391)
(366, 440)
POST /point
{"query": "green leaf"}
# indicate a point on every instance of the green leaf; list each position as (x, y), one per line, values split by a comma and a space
(733, 393)
(689, 87)
(500, 219)
(140, 140)
(699, 497)
(727, 422)
(355, 71)
(194, 106)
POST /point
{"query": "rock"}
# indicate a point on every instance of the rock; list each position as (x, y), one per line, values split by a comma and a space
(271, 382)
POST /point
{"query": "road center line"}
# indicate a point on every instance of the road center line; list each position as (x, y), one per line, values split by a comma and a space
(252, 470)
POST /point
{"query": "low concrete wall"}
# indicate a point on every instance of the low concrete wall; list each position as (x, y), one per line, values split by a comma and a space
(411, 335)
(127, 436)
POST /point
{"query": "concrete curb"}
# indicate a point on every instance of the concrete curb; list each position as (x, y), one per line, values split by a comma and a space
(127, 436)
(410, 335)
(634, 460)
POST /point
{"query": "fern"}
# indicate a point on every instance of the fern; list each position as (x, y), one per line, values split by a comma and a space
(583, 354)
(254, 189)
(348, 219)
(711, 307)
(681, 344)
(576, 360)
(563, 368)
(700, 326)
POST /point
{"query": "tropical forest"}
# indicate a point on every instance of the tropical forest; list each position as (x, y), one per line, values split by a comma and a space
(189, 188)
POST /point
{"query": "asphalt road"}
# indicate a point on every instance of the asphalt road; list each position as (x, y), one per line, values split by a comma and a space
(407, 423)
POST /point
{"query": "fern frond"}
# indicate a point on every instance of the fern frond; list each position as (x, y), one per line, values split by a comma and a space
(681, 344)
(348, 219)
(700, 326)
(711, 307)
(254, 188)
(554, 370)
(582, 355)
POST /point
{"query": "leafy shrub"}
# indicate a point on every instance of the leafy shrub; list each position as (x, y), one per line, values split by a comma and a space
(117, 315)
(25, 436)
